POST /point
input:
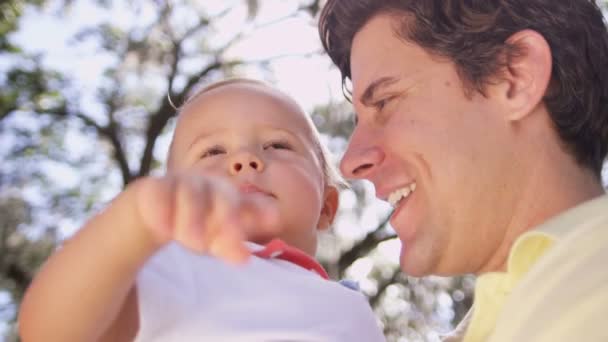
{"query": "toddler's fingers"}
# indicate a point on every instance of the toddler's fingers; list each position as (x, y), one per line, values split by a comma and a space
(225, 231)
(229, 244)
(206, 207)
(193, 201)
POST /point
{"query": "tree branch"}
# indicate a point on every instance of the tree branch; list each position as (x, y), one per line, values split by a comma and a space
(373, 300)
(7, 111)
(313, 8)
(110, 132)
(156, 124)
(201, 23)
(175, 54)
(196, 79)
(371, 240)
(21, 278)
(88, 121)
(176, 50)
(159, 120)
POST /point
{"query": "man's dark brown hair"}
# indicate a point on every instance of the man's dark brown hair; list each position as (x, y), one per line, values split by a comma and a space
(473, 34)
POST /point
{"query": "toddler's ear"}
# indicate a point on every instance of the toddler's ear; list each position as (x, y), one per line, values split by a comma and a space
(330, 207)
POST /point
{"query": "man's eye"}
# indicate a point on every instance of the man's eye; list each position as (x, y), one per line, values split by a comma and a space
(278, 145)
(381, 104)
(213, 151)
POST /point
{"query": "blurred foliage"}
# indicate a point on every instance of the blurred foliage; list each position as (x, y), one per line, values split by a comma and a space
(67, 151)
(10, 12)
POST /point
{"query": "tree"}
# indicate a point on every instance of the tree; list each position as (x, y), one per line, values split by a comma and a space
(25, 86)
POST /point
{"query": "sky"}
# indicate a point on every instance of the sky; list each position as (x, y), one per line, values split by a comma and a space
(281, 37)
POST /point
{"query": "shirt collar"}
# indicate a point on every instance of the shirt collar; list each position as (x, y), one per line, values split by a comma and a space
(278, 249)
(530, 246)
(493, 288)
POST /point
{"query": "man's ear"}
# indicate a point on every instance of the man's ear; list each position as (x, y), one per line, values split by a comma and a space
(526, 78)
(329, 209)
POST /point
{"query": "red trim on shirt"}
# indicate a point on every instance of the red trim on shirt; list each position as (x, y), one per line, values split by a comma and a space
(280, 250)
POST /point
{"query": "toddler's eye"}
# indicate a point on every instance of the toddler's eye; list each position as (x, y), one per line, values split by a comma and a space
(278, 145)
(213, 151)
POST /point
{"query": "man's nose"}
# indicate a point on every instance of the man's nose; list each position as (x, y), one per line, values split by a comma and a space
(244, 161)
(362, 157)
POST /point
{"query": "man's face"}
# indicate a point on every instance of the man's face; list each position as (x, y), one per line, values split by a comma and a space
(416, 125)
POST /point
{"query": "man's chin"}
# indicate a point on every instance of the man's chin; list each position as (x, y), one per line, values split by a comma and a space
(414, 265)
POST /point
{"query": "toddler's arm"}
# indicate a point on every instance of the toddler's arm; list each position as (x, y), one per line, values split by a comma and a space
(86, 292)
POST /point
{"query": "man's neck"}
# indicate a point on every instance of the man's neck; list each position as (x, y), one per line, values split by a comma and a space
(555, 184)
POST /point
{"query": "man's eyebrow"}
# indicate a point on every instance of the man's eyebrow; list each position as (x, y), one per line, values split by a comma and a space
(368, 94)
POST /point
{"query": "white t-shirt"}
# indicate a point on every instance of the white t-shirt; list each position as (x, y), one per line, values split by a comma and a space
(186, 297)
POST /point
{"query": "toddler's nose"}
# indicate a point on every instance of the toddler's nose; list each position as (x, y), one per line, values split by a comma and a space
(245, 161)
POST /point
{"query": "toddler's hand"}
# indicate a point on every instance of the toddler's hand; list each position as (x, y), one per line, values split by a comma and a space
(206, 214)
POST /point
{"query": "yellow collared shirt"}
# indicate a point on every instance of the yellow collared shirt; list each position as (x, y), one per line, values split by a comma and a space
(556, 284)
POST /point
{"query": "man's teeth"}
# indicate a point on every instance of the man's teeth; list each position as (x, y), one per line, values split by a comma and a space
(397, 195)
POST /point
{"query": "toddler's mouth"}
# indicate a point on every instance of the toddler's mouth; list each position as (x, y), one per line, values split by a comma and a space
(248, 188)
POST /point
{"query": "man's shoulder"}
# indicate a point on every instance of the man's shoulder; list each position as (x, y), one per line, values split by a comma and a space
(564, 297)
(553, 270)
(590, 214)
(579, 247)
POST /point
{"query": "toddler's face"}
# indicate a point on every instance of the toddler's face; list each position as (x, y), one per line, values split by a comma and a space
(262, 142)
